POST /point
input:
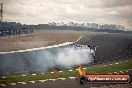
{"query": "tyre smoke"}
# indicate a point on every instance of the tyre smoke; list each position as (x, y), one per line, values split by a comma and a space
(43, 60)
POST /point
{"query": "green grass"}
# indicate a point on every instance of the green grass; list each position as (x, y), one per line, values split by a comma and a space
(110, 68)
(90, 70)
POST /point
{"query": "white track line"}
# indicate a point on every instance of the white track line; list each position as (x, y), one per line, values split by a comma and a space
(116, 63)
(126, 71)
(51, 72)
(3, 77)
(2, 85)
(42, 80)
(13, 84)
(32, 81)
(60, 71)
(22, 82)
(84, 68)
(115, 72)
(77, 69)
(62, 78)
(23, 75)
(121, 72)
(34, 49)
(48, 47)
(72, 77)
(79, 38)
(70, 70)
(33, 74)
(52, 79)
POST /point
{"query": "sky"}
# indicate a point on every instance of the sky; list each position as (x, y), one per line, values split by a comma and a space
(82, 11)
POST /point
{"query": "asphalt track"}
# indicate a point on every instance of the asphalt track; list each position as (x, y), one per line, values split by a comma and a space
(111, 46)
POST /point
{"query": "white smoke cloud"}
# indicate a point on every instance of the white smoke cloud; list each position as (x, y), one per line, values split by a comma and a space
(64, 57)
(43, 60)
(70, 56)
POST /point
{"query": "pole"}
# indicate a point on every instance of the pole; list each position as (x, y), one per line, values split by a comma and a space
(54, 72)
(1, 12)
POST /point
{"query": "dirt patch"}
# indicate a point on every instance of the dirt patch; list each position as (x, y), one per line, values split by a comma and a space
(39, 38)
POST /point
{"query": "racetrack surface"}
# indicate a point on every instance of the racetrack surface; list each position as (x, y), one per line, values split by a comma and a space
(111, 48)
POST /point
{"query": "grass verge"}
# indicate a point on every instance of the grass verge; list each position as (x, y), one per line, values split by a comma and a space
(90, 70)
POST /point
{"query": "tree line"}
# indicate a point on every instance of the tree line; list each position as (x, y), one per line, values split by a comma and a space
(90, 25)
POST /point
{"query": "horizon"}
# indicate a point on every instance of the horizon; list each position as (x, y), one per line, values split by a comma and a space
(92, 11)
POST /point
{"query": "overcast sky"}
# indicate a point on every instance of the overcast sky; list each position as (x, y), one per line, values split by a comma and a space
(45, 11)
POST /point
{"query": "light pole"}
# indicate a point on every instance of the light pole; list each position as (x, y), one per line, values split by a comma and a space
(1, 12)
